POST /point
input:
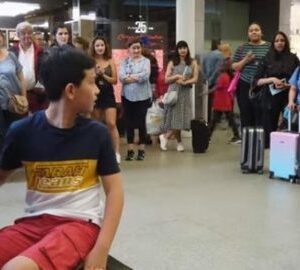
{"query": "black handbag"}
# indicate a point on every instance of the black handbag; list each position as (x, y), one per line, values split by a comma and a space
(256, 93)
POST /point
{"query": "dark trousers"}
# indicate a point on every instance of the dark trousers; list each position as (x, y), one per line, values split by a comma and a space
(250, 111)
(272, 107)
(230, 118)
(135, 117)
(209, 106)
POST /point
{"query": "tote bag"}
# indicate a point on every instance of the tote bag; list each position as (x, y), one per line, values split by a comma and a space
(154, 119)
(234, 82)
(170, 98)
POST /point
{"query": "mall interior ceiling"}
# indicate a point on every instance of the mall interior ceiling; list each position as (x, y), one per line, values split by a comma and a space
(46, 5)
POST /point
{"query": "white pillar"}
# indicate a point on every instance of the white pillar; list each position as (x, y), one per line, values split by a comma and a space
(285, 16)
(190, 16)
(190, 23)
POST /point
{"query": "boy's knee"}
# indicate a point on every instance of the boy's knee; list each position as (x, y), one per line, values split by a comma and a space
(20, 263)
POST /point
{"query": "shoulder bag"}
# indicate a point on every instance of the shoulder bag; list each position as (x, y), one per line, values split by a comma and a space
(18, 104)
(233, 83)
(170, 98)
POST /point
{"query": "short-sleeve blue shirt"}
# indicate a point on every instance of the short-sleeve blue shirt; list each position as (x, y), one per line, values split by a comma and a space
(294, 81)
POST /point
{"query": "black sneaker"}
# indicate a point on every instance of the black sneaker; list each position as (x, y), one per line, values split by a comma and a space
(140, 155)
(130, 155)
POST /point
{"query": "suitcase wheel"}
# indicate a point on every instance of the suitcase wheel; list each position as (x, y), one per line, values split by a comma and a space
(271, 175)
(292, 179)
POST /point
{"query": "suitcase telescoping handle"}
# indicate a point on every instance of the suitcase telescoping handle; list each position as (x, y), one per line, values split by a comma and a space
(290, 120)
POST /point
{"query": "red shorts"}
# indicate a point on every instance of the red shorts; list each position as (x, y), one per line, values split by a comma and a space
(50, 241)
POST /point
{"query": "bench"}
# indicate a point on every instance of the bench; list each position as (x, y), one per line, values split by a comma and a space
(112, 264)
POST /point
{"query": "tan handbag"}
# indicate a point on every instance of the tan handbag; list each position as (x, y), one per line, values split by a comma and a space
(18, 104)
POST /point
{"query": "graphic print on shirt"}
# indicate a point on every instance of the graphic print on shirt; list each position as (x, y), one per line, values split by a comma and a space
(61, 176)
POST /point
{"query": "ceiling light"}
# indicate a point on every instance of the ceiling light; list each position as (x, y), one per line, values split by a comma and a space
(91, 16)
(12, 9)
(41, 25)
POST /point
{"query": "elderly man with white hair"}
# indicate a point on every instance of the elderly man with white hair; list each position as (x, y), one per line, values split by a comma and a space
(29, 54)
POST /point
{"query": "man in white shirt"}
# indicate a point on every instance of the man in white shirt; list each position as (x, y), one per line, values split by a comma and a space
(29, 55)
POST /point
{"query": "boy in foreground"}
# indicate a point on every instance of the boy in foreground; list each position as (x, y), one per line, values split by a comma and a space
(63, 155)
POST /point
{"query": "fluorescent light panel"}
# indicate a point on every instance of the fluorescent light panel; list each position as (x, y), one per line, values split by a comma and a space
(12, 9)
(41, 25)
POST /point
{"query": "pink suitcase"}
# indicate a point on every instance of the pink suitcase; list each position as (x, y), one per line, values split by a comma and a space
(284, 154)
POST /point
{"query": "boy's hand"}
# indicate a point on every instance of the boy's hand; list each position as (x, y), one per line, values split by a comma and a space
(95, 260)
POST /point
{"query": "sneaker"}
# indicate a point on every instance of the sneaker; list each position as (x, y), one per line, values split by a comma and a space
(118, 158)
(130, 155)
(235, 140)
(140, 155)
(180, 147)
(163, 142)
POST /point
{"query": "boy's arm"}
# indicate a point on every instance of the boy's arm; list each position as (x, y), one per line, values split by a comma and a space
(113, 208)
(4, 175)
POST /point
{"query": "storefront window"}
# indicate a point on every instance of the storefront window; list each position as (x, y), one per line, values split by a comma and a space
(119, 20)
(154, 21)
(295, 27)
(221, 19)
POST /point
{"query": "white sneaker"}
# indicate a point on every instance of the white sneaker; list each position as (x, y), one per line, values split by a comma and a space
(118, 158)
(163, 142)
(180, 147)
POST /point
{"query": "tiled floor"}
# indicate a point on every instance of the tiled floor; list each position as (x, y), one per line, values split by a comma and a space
(188, 211)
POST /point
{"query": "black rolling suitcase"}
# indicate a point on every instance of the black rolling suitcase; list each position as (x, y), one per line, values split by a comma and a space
(252, 154)
(200, 136)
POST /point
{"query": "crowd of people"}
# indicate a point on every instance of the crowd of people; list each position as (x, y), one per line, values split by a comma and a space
(67, 90)
(268, 82)
(261, 64)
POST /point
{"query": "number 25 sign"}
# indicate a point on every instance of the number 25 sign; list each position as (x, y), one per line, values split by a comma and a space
(141, 27)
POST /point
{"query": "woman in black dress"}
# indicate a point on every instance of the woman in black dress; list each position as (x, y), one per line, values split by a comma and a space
(105, 108)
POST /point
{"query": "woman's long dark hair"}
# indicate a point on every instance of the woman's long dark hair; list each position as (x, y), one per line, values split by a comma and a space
(286, 39)
(176, 58)
(280, 61)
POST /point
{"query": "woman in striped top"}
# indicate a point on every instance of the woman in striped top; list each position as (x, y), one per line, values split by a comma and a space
(246, 60)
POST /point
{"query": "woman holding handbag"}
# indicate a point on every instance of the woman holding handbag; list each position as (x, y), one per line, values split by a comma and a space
(271, 80)
(12, 86)
(246, 60)
(182, 72)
